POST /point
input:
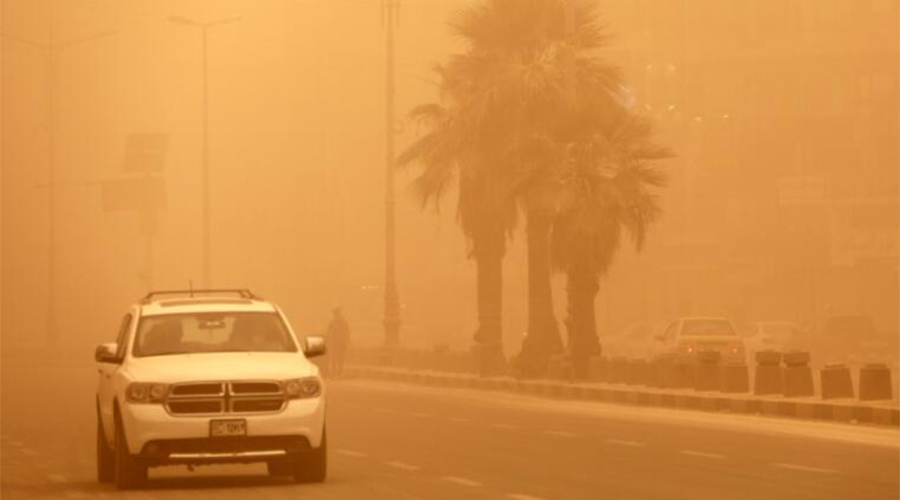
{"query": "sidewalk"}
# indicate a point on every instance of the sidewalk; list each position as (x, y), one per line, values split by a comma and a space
(844, 411)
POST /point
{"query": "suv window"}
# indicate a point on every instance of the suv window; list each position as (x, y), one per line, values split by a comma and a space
(122, 337)
(212, 332)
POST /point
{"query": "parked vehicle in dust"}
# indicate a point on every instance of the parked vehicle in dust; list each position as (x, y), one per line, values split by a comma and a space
(214, 376)
(778, 336)
(684, 338)
(635, 341)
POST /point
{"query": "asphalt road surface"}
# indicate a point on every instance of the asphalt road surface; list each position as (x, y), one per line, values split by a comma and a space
(393, 441)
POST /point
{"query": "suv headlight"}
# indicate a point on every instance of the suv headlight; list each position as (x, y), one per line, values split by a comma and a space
(144, 392)
(301, 388)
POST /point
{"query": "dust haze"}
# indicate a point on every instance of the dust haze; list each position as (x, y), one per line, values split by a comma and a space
(772, 131)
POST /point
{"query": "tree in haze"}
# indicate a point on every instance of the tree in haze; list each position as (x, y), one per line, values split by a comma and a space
(528, 83)
(529, 65)
(609, 183)
(455, 151)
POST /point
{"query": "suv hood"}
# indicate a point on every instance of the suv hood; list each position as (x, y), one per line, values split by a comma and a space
(221, 366)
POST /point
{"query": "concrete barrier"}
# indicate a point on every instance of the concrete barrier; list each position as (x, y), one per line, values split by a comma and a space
(798, 381)
(618, 368)
(707, 371)
(875, 382)
(836, 382)
(768, 378)
(597, 369)
(734, 378)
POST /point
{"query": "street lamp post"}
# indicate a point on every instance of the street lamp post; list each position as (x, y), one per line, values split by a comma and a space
(204, 181)
(53, 48)
(391, 297)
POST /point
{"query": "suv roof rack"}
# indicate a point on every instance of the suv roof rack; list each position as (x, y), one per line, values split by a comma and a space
(244, 293)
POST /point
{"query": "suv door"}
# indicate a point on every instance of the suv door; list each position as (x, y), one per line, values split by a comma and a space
(106, 373)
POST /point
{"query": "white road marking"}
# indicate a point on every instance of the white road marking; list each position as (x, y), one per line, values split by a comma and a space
(28, 452)
(56, 478)
(384, 410)
(625, 443)
(559, 434)
(804, 468)
(505, 427)
(522, 496)
(461, 480)
(401, 466)
(351, 453)
(460, 420)
(703, 454)
(420, 415)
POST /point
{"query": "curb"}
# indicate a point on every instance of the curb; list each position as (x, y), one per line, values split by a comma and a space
(799, 408)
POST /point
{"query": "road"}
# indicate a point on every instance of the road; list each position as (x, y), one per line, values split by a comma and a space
(394, 441)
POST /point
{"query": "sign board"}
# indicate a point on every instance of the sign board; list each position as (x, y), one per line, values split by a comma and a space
(145, 153)
(801, 191)
(141, 194)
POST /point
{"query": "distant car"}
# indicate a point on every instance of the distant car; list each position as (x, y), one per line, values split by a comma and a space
(634, 341)
(683, 338)
(772, 335)
(199, 379)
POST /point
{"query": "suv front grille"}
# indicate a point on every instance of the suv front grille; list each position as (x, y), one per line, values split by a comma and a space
(235, 397)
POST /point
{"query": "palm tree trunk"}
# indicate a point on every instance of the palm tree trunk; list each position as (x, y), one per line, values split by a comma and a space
(488, 253)
(581, 291)
(543, 338)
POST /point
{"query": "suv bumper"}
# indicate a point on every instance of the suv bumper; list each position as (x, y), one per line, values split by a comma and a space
(298, 426)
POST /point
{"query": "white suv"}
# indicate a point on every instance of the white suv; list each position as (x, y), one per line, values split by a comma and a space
(211, 376)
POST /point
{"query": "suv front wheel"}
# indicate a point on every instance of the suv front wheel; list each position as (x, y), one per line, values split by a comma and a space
(130, 473)
(312, 467)
(106, 459)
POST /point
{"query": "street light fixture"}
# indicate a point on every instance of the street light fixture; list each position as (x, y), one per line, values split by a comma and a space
(207, 266)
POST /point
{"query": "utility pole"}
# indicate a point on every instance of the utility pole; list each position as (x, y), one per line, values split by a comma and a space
(390, 13)
(53, 48)
(204, 171)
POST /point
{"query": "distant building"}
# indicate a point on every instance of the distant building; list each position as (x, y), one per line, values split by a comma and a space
(783, 200)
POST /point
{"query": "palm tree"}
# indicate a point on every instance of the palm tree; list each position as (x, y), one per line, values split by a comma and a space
(506, 103)
(452, 153)
(522, 76)
(609, 183)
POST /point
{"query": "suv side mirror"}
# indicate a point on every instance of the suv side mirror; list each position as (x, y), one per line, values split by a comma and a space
(106, 353)
(314, 346)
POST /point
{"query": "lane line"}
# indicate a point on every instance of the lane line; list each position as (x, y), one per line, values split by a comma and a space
(460, 420)
(28, 452)
(559, 434)
(522, 496)
(461, 480)
(702, 454)
(505, 427)
(56, 478)
(804, 468)
(351, 453)
(419, 415)
(623, 442)
(402, 466)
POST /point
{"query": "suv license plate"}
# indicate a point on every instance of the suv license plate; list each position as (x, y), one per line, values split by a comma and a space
(232, 427)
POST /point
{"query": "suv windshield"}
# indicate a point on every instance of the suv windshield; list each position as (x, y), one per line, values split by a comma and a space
(212, 332)
(707, 328)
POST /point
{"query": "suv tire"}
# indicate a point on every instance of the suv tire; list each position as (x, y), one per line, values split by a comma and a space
(312, 467)
(278, 468)
(130, 473)
(106, 459)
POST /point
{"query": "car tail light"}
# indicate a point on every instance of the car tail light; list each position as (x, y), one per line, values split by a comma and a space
(143, 392)
(302, 388)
